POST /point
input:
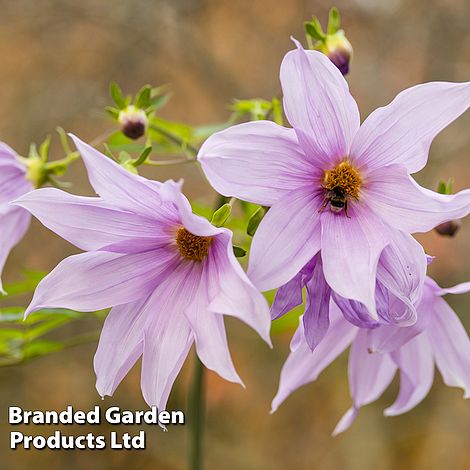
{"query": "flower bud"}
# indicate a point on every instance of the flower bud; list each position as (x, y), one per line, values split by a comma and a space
(338, 49)
(449, 228)
(36, 171)
(133, 121)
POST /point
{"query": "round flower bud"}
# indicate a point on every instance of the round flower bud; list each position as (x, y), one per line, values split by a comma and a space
(338, 49)
(449, 228)
(133, 121)
(36, 171)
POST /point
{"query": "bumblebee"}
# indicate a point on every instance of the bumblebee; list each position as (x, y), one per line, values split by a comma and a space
(337, 199)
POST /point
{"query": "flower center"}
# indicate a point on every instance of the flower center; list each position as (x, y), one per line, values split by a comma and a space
(192, 247)
(343, 177)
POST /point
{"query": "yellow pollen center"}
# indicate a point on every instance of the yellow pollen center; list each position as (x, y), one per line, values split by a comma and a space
(344, 176)
(192, 247)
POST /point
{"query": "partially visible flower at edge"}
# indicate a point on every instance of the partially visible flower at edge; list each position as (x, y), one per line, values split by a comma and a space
(168, 274)
(335, 186)
(376, 354)
(14, 221)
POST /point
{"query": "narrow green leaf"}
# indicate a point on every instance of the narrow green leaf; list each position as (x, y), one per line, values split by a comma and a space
(45, 327)
(158, 102)
(143, 157)
(41, 348)
(142, 99)
(221, 215)
(255, 220)
(238, 251)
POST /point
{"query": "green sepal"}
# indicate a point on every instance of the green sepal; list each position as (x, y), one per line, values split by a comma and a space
(314, 30)
(143, 97)
(334, 21)
(116, 94)
(113, 112)
(44, 149)
(221, 215)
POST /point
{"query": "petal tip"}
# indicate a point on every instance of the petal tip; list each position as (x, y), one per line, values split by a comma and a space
(297, 43)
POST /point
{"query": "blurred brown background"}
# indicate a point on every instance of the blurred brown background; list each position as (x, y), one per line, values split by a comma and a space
(57, 59)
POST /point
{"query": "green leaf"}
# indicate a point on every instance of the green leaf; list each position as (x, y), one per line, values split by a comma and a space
(238, 251)
(158, 102)
(45, 327)
(116, 94)
(277, 111)
(11, 314)
(334, 21)
(221, 215)
(142, 99)
(41, 348)
(255, 220)
(119, 142)
(26, 285)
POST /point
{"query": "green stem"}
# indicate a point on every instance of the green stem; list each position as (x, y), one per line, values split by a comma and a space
(178, 161)
(196, 414)
(175, 139)
(75, 155)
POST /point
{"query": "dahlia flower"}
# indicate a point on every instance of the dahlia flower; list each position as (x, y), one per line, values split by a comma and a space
(401, 273)
(335, 187)
(438, 338)
(168, 274)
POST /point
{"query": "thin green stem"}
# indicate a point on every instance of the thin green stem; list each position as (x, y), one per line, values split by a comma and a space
(197, 414)
(175, 139)
(178, 161)
(75, 155)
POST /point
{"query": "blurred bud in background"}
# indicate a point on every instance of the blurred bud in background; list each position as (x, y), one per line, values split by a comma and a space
(334, 43)
(37, 171)
(451, 227)
(133, 121)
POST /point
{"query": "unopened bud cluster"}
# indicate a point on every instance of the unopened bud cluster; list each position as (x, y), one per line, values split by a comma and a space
(334, 43)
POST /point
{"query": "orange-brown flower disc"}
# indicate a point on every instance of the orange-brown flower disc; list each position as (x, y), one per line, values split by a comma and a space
(192, 247)
(343, 176)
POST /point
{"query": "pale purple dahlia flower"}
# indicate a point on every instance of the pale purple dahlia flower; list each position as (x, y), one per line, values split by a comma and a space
(335, 186)
(438, 337)
(169, 275)
(400, 278)
(14, 221)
